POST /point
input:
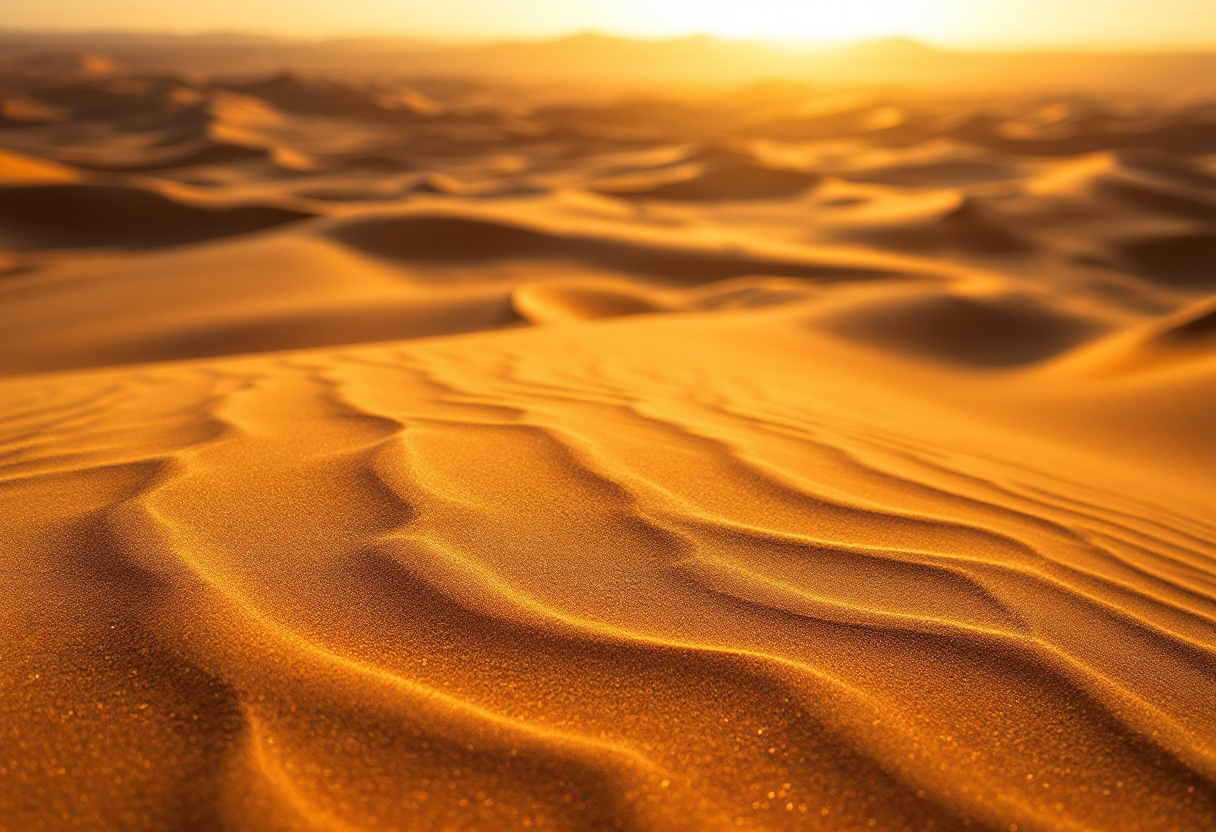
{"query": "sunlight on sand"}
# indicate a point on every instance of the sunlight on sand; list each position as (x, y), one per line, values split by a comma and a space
(445, 455)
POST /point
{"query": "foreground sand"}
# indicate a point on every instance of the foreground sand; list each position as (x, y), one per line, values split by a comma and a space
(607, 483)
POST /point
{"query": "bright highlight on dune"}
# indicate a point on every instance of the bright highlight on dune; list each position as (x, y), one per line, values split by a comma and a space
(603, 435)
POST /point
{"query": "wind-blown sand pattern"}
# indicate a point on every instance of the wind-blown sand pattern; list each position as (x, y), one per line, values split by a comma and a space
(765, 462)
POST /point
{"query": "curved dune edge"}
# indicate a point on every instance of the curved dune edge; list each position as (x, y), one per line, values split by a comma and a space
(20, 169)
(539, 578)
(1184, 339)
(549, 303)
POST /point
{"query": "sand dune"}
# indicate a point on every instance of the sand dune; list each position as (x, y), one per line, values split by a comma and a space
(99, 216)
(986, 331)
(436, 456)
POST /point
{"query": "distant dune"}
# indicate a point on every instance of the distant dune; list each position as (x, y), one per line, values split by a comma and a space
(392, 442)
(700, 60)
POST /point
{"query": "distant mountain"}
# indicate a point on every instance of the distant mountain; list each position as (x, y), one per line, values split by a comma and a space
(891, 49)
(592, 55)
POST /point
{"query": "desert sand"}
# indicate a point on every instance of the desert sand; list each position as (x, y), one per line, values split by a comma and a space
(439, 456)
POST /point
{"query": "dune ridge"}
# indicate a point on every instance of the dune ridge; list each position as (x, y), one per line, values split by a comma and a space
(432, 456)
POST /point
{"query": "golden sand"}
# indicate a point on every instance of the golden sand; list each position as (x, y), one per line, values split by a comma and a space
(489, 480)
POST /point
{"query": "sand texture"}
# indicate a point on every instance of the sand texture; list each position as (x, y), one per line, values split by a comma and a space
(449, 458)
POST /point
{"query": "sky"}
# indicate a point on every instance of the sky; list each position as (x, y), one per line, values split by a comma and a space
(1100, 24)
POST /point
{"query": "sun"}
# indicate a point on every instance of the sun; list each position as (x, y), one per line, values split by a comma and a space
(814, 20)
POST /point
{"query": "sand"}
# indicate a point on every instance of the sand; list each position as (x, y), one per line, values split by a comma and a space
(441, 458)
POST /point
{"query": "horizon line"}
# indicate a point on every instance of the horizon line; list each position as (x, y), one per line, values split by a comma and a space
(807, 44)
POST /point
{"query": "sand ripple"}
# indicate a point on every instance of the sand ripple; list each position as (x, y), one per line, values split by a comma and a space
(458, 583)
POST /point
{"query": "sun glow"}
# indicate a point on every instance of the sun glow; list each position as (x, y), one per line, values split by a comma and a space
(1117, 24)
(795, 20)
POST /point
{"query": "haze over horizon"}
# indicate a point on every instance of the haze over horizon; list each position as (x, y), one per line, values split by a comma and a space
(997, 24)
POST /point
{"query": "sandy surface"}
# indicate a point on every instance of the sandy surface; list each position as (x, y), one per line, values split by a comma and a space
(443, 458)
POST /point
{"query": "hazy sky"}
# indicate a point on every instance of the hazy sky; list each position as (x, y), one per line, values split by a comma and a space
(1090, 23)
